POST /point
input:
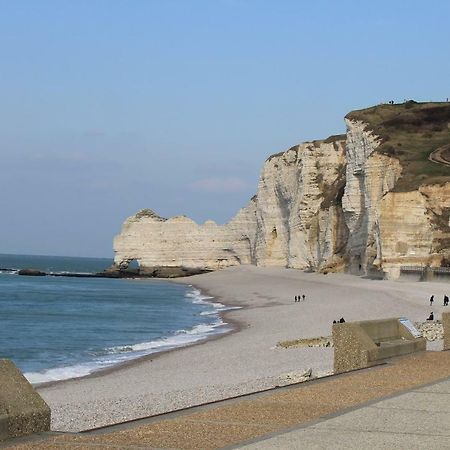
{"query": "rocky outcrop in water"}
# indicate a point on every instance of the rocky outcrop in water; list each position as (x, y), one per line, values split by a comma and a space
(349, 202)
(181, 243)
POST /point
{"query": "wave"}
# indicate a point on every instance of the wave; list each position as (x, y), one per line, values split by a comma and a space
(225, 308)
(180, 339)
(60, 373)
(198, 298)
(9, 271)
(112, 356)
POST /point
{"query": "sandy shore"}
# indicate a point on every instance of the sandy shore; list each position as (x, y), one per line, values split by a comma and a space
(246, 360)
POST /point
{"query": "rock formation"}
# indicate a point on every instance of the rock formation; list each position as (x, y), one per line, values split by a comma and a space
(298, 207)
(368, 202)
(179, 242)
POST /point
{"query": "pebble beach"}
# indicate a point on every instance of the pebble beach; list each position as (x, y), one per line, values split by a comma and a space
(248, 359)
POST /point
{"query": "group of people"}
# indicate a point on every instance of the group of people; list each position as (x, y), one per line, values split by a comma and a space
(341, 320)
(299, 298)
(445, 300)
(431, 316)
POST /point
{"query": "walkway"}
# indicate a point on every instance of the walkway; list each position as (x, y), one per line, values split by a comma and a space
(441, 155)
(389, 406)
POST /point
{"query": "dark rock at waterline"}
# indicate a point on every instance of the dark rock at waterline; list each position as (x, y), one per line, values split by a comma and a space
(32, 272)
(151, 272)
(170, 272)
(113, 272)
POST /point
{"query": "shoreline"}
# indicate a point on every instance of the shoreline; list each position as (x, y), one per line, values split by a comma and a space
(246, 358)
(234, 327)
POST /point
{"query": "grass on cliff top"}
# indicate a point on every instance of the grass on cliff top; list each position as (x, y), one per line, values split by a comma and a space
(410, 132)
(334, 139)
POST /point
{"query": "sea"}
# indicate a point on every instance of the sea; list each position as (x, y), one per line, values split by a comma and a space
(55, 328)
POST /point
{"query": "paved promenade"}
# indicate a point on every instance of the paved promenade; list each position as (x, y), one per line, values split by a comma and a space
(404, 405)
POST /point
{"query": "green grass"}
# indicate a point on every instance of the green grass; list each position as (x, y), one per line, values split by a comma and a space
(410, 132)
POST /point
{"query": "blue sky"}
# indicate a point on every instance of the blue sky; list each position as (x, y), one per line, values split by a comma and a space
(107, 107)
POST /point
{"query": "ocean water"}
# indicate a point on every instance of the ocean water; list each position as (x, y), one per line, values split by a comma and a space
(55, 328)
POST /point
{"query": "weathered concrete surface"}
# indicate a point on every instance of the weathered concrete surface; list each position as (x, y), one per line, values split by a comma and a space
(446, 326)
(362, 344)
(414, 420)
(22, 410)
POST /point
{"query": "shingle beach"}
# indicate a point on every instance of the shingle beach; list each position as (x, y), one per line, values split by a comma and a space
(247, 359)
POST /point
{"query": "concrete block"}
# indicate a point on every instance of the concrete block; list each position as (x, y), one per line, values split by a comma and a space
(358, 345)
(22, 410)
(446, 326)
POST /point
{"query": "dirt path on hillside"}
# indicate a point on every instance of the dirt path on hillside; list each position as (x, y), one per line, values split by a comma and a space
(441, 155)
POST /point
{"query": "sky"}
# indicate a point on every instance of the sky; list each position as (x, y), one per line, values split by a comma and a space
(111, 106)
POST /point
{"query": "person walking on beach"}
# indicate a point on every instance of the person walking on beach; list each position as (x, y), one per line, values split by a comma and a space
(295, 298)
(431, 300)
(303, 297)
(445, 300)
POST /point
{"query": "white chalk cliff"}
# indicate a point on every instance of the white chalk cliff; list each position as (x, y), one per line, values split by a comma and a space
(325, 205)
(180, 242)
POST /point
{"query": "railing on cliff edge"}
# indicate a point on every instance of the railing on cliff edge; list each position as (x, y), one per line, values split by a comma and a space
(425, 269)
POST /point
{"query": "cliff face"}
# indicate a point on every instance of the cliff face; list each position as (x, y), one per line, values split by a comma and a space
(415, 229)
(369, 176)
(299, 215)
(347, 203)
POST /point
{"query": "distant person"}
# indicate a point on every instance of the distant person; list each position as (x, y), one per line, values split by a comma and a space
(303, 297)
(295, 298)
(431, 316)
(445, 300)
(341, 320)
(334, 322)
(431, 300)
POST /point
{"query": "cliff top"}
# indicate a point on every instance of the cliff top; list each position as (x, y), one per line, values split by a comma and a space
(333, 139)
(411, 132)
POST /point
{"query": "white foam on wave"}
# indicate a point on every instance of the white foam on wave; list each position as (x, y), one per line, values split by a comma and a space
(215, 311)
(180, 339)
(10, 271)
(115, 355)
(60, 373)
(198, 298)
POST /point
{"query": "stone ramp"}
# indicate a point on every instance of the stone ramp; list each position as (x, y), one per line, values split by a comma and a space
(273, 414)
